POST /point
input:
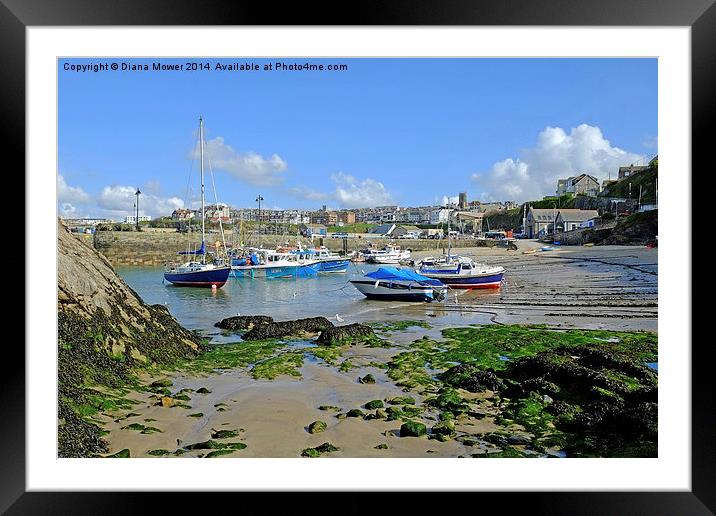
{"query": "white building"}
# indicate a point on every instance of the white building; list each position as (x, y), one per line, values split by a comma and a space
(131, 219)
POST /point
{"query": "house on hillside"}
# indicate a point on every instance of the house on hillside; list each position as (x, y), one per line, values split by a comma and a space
(629, 171)
(540, 222)
(567, 220)
(583, 184)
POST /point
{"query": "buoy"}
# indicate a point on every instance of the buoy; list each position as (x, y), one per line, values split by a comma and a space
(213, 287)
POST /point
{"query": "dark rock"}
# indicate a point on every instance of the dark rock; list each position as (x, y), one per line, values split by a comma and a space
(444, 428)
(374, 404)
(203, 390)
(367, 379)
(472, 378)
(121, 454)
(412, 429)
(350, 333)
(224, 434)
(277, 330)
(243, 322)
(402, 400)
(519, 439)
(354, 413)
(381, 446)
(164, 382)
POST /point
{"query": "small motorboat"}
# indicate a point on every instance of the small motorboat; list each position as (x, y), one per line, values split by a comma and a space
(462, 272)
(399, 284)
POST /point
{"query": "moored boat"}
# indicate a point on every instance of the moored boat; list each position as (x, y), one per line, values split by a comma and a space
(462, 272)
(390, 254)
(267, 263)
(398, 284)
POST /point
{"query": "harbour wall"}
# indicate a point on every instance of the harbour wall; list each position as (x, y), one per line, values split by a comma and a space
(154, 248)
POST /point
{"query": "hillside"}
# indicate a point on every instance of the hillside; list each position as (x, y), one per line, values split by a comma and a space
(646, 179)
(105, 333)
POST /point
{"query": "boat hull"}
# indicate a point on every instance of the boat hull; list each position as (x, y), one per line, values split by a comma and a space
(263, 271)
(394, 290)
(468, 282)
(208, 278)
(333, 265)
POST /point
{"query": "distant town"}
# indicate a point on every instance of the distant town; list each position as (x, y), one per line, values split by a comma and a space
(579, 202)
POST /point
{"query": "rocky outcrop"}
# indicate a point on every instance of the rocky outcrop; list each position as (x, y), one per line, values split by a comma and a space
(348, 334)
(105, 331)
(278, 330)
(243, 322)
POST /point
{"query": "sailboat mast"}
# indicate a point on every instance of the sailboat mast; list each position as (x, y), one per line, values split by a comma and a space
(449, 248)
(201, 152)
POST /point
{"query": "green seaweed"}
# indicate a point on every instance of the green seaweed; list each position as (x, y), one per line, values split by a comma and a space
(284, 364)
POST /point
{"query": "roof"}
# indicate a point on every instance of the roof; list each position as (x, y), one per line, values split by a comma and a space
(577, 215)
(410, 228)
(383, 229)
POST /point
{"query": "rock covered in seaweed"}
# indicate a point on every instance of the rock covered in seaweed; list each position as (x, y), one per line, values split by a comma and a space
(243, 322)
(472, 378)
(105, 331)
(277, 330)
(349, 333)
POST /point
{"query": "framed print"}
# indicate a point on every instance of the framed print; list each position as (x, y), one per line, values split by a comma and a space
(407, 244)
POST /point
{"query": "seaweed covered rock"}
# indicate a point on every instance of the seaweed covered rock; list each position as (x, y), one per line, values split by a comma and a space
(105, 331)
(350, 333)
(603, 399)
(412, 429)
(277, 330)
(316, 427)
(472, 378)
(243, 322)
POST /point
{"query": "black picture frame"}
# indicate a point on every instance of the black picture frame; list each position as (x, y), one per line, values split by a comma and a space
(699, 15)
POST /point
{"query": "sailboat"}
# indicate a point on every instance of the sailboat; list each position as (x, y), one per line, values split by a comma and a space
(197, 272)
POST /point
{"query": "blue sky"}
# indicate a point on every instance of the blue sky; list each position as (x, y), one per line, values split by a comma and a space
(386, 131)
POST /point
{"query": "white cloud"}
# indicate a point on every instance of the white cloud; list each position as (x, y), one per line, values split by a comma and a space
(249, 167)
(557, 155)
(70, 194)
(349, 192)
(68, 211)
(118, 201)
(308, 193)
(352, 193)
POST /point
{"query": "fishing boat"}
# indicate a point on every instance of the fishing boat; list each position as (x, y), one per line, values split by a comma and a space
(462, 272)
(198, 272)
(390, 254)
(399, 284)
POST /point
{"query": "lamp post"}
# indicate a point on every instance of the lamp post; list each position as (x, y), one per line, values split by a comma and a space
(137, 193)
(259, 199)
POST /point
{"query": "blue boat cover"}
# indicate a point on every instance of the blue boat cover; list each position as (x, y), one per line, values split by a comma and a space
(198, 251)
(394, 273)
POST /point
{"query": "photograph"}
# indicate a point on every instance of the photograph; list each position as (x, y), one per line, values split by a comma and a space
(358, 257)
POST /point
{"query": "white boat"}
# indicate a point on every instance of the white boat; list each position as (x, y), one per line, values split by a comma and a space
(199, 272)
(462, 272)
(388, 255)
(398, 284)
